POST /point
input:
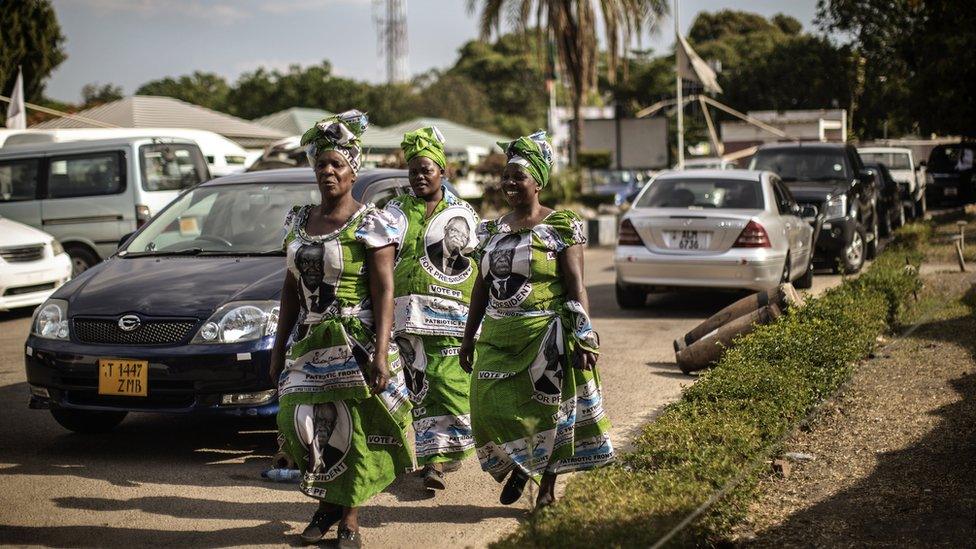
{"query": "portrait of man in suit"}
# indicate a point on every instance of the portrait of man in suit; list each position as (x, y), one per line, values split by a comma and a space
(445, 254)
(318, 293)
(503, 281)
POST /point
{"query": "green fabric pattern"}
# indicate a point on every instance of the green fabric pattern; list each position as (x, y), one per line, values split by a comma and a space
(342, 133)
(530, 408)
(349, 443)
(427, 142)
(535, 153)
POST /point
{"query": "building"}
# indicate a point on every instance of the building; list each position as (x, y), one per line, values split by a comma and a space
(798, 125)
(293, 121)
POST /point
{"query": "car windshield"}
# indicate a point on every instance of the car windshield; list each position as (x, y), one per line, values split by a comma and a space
(951, 158)
(802, 164)
(243, 219)
(894, 160)
(171, 167)
(702, 193)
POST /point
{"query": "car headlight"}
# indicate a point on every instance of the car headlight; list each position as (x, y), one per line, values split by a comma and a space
(56, 248)
(835, 208)
(239, 321)
(51, 320)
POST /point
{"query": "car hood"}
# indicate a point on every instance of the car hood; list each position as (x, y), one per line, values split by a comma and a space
(18, 234)
(172, 286)
(816, 191)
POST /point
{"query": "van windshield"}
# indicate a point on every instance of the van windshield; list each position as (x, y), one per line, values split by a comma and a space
(894, 160)
(952, 158)
(223, 219)
(171, 167)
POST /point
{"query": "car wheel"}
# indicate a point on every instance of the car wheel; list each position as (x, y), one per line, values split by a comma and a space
(886, 228)
(87, 421)
(805, 282)
(630, 297)
(785, 277)
(871, 249)
(82, 259)
(852, 258)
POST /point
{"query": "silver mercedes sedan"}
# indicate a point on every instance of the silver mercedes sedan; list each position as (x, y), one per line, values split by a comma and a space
(735, 229)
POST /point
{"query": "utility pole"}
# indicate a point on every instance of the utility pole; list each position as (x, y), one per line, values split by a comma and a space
(681, 104)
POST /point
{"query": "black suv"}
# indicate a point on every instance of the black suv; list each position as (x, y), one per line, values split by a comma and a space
(950, 173)
(830, 176)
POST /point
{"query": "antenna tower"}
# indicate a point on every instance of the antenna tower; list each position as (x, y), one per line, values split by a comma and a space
(390, 18)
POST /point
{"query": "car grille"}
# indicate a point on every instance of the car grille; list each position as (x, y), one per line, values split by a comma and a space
(150, 332)
(29, 289)
(22, 254)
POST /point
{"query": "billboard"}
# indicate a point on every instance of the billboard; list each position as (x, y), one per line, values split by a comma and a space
(633, 143)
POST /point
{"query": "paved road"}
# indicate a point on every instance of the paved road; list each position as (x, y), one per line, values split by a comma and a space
(160, 480)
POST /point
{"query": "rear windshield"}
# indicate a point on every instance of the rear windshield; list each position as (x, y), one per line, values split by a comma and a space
(702, 193)
(802, 164)
(951, 158)
(171, 167)
(894, 160)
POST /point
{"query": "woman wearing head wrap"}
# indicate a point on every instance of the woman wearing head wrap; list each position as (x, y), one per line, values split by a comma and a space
(433, 278)
(536, 402)
(344, 404)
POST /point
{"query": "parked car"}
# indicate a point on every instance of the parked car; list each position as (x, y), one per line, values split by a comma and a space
(709, 164)
(223, 156)
(712, 229)
(90, 193)
(891, 211)
(950, 173)
(32, 265)
(182, 319)
(830, 176)
(905, 171)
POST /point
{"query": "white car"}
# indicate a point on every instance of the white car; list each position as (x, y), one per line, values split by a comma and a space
(708, 163)
(733, 229)
(32, 265)
(905, 171)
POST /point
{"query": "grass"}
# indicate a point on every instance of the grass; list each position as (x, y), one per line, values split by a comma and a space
(733, 418)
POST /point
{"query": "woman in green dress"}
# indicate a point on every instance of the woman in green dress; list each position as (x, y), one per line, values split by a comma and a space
(344, 404)
(536, 402)
(433, 278)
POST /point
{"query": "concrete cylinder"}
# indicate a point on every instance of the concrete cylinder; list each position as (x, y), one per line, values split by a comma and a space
(708, 349)
(784, 296)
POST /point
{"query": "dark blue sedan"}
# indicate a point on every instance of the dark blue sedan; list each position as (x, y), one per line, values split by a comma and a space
(182, 318)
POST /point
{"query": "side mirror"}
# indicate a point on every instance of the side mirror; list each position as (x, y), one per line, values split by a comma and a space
(809, 211)
(125, 239)
(921, 164)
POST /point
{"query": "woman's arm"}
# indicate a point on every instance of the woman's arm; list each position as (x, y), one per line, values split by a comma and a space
(379, 265)
(571, 266)
(476, 312)
(287, 316)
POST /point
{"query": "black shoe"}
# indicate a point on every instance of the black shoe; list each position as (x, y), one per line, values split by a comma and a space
(320, 524)
(348, 539)
(433, 479)
(513, 488)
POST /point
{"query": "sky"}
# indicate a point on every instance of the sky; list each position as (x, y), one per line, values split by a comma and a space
(130, 42)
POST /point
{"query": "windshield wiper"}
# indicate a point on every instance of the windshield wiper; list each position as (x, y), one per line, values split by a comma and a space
(243, 253)
(154, 253)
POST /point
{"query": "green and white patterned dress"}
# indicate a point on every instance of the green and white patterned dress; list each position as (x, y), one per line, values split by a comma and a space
(433, 282)
(349, 444)
(530, 408)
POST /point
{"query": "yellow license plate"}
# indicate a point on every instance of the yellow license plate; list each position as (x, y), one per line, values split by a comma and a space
(123, 377)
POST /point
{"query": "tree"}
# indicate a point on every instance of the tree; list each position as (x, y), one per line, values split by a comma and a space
(200, 88)
(572, 26)
(30, 37)
(93, 94)
(455, 97)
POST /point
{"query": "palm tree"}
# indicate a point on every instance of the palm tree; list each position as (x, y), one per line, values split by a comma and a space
(572, 26)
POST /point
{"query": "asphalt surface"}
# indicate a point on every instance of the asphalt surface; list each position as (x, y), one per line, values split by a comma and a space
(181, 481)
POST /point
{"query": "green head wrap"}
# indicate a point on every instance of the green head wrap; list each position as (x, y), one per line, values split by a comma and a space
(340, 133)
(533, 152)
(428, 142)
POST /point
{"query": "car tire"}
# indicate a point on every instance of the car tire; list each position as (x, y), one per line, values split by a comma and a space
(629, 297)
(87, 421)
(785, 277)
(871, 248)
(886, 227)
(82, 259)
(805, 282)
(852, 257)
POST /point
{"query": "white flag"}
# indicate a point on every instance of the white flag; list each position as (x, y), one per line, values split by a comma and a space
(691, 67)
(16, 115)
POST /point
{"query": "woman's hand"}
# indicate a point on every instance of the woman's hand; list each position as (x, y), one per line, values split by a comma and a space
(466, 355)
(584, 360)
(379, 374)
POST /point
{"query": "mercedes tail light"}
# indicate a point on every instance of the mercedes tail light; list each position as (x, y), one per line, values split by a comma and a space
(752, 236)
(627, 235)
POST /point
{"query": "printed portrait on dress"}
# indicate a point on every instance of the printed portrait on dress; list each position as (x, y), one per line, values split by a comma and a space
(318, 267)
(449, 237)
(508, 266)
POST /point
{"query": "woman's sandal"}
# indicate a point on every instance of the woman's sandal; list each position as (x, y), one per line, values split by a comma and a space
(434, 479)
(513, 488)
(348, 539)
(321, 522)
